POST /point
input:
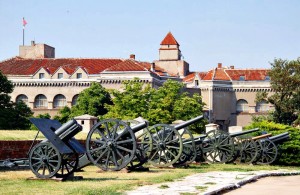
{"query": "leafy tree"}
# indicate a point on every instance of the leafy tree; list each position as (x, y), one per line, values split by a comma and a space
(64, 115)
(130, 103)
(90, 101)
(45, 116)
(163, 105)
(285, 81)
(12, 115)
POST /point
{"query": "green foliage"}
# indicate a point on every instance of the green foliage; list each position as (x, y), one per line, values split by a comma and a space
(131, 103)
(64, 115)
(285, 82)
(91, 101)
(12, 115)
(45, 116)
(290, 150)
(163, 105)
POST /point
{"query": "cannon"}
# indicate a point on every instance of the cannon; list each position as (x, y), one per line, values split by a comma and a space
(172, 142)
(111, 144)
(57, 155)
(268, 148)
(219, 146)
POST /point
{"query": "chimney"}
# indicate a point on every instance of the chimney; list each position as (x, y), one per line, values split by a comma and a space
(219, 65)
(152, 67)
(231, 67)
(132, 56)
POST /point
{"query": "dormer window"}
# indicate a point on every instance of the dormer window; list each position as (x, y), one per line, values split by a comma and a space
(41, 75)
(242, 78)
(79, 75)
(60, 75)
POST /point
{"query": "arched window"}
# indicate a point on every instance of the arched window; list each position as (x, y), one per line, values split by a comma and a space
(40, 101)
(262, 106)
(74, 100)
(242, 106)
(22, 98)
(59, 101)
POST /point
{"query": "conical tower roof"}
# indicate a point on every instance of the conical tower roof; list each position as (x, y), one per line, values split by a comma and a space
(169, 40)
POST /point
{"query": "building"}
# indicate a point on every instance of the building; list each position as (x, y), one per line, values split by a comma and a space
(47, 83)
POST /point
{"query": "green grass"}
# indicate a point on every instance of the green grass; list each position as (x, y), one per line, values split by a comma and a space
(11, 135)
(16, 182)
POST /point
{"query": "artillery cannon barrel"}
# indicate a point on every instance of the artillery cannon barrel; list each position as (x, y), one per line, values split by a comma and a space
(280, 137)
(139, 126)
(189, 122)
(67, 130)
(243, 132)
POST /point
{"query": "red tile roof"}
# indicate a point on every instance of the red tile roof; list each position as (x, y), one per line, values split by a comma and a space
(127, 65)
(225, 74)
(22, 66)
(169, 40)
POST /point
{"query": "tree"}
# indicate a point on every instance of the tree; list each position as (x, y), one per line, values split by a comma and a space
(12, 115)
(163, 105)
(285, 82)
(90, 101)
(130, 103)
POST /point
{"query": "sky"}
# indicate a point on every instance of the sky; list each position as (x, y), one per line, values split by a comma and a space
(242, 33)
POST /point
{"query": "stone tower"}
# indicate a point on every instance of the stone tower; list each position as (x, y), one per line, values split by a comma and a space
(170, 57)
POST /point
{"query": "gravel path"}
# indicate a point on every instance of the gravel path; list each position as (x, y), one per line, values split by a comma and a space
(207, 183)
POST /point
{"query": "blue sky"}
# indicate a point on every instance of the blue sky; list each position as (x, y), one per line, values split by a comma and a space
(244, 33)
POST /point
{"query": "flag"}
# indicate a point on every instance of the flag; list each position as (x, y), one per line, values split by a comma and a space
(24, 22)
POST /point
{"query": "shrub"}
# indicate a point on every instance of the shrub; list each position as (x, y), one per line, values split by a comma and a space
(289, 151)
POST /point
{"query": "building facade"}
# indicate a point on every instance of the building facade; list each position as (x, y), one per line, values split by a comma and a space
(47, 83)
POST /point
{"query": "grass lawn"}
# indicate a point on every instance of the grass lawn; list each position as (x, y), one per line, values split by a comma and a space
(29, 135)
(15, 182)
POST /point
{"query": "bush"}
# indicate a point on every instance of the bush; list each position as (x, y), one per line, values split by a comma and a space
(289, 150)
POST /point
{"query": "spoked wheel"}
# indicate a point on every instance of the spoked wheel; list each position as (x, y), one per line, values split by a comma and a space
(44, 160)
(246, 148)
(218, 147)
(167, 145)
(111, 145)
(189, 151)
(144, 146)
(268, 152)
(69, 164)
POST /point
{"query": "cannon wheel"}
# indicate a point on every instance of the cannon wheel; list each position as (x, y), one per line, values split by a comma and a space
(111, 145)
(144, 146)
(167, 145)
(268, 152)
(44, 160)
(247, 150)
(189, 149)
(218, 147)
(69, 164)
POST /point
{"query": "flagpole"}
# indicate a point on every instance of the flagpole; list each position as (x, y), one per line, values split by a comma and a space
(23, 34)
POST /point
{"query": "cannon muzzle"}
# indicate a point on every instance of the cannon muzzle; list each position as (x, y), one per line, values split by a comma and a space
(189, 122)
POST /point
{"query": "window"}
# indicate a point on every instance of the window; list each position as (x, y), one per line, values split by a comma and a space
(22, 98)
(59, 101)
(196, 83)
(40, 101)
(242, 106)
(60, 75)
(267, 78)
(41, 75)
(82, 122)
(262, 106)
(79, 75)
(74, 100)
(242, 78)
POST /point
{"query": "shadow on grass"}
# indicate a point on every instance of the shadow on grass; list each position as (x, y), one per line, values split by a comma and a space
(106, 179)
